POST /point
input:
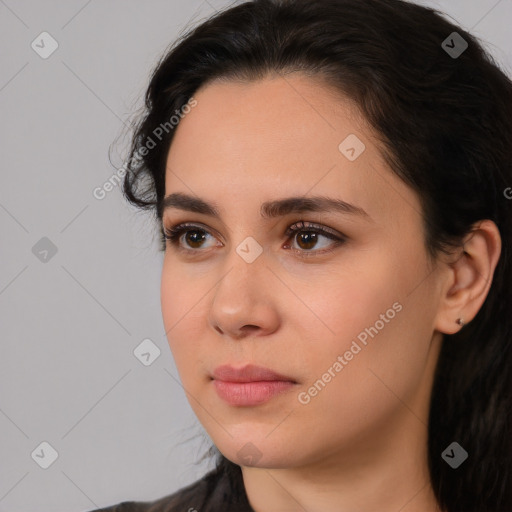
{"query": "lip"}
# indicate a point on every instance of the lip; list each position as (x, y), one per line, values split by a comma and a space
(248, 373)
(250, 385)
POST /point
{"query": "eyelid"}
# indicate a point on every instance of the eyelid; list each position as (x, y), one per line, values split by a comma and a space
(306, 225)
(336, 237)
(174, 233)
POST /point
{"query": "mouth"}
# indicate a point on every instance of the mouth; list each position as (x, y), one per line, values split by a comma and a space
(250, 385)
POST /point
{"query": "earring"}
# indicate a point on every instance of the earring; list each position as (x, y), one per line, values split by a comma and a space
(461, 322)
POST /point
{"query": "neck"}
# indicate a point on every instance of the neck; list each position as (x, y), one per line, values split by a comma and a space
(365, 479)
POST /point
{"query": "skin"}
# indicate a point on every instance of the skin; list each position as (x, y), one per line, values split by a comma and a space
(361, 442)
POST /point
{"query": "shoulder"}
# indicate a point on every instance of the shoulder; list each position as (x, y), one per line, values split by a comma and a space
(211, 493)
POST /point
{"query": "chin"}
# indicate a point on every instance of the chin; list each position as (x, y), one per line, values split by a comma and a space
(256, 451)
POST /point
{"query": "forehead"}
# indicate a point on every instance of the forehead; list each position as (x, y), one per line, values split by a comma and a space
(248, 142)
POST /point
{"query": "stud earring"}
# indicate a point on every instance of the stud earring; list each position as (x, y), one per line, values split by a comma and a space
(461, 322)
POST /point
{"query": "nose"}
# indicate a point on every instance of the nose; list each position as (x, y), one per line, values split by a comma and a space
(244, 302)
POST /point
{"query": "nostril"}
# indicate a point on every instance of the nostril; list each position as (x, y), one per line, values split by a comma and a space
(249, 328)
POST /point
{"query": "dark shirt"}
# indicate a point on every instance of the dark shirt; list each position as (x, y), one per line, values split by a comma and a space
(212, 493)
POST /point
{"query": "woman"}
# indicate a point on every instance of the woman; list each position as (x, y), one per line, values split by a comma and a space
(332, 181)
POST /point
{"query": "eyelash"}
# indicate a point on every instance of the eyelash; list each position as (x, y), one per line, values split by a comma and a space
(173, 234)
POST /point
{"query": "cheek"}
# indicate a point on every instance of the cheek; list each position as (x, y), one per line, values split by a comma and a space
(182, 315)
(344, 303)
(382, 335)
(363, 314)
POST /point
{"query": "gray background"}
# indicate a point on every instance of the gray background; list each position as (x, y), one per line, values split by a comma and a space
(70, 324)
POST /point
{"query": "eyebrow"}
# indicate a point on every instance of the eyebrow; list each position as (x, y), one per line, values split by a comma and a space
(269, 209)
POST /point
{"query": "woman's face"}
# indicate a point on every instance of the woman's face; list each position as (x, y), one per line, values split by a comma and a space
(348, 321)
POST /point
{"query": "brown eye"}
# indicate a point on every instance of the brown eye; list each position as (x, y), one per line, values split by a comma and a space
(308, 236)
(307, 239)
(193, 237)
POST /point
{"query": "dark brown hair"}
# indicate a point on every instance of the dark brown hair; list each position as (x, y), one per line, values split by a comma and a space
(445, 122)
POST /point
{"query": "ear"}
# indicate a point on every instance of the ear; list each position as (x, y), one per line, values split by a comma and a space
(469, 278)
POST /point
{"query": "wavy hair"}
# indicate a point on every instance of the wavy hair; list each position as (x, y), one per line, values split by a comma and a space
(446, 127)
